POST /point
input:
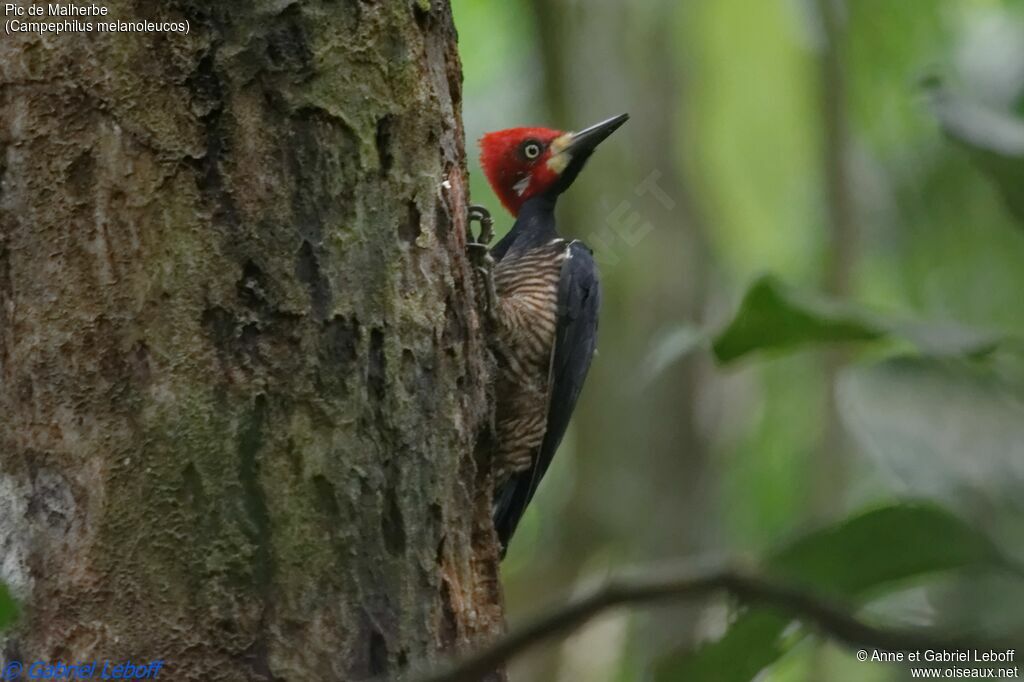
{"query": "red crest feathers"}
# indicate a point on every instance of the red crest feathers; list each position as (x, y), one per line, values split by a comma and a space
(515, 163)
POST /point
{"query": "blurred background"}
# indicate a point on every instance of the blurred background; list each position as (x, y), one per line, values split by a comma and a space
(869, 152)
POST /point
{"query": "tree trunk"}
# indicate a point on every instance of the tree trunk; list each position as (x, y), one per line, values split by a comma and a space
(243, 379)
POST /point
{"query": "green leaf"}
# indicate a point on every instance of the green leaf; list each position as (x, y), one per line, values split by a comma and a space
(8, 608)
(874, 549)
(774, 317)
(994, 139)
(853, 560)
(771, 316)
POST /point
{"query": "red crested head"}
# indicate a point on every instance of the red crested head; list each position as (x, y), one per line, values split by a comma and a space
(521, 163)
(515, 163)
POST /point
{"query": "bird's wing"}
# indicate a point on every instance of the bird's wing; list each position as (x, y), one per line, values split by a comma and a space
(579, 297)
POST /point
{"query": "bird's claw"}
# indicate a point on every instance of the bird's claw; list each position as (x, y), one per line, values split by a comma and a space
(482, 261)
(482, 216)
(478, 254)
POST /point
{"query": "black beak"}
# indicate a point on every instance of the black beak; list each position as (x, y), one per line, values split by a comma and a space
(587, 139)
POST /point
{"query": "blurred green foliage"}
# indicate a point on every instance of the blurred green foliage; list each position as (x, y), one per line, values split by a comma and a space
(995, 140)
(838, 560)
(761, 373)
(774, 317)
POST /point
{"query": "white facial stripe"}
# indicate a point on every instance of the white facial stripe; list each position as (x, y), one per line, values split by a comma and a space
(560, 158)
(559, 144)
(521, 186)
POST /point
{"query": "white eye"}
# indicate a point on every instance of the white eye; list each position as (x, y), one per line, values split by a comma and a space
(531, 150)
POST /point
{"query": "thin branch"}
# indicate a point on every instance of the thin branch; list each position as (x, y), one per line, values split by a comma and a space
(823, 614)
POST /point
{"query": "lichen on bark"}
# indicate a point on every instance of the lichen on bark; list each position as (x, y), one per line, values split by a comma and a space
(242, 376)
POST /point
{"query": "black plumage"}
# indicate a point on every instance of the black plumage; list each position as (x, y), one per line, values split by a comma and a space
(576, 299)
(544, 294)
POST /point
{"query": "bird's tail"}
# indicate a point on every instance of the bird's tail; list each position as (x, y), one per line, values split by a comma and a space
(510, 502)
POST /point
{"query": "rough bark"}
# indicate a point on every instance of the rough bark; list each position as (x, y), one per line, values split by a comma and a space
(241, 377)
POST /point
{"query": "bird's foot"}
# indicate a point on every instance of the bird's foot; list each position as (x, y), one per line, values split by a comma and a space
(481, 259)
(483, 265)
(482, 216)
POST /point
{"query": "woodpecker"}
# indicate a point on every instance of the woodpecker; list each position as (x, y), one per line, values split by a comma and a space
(543, 297)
